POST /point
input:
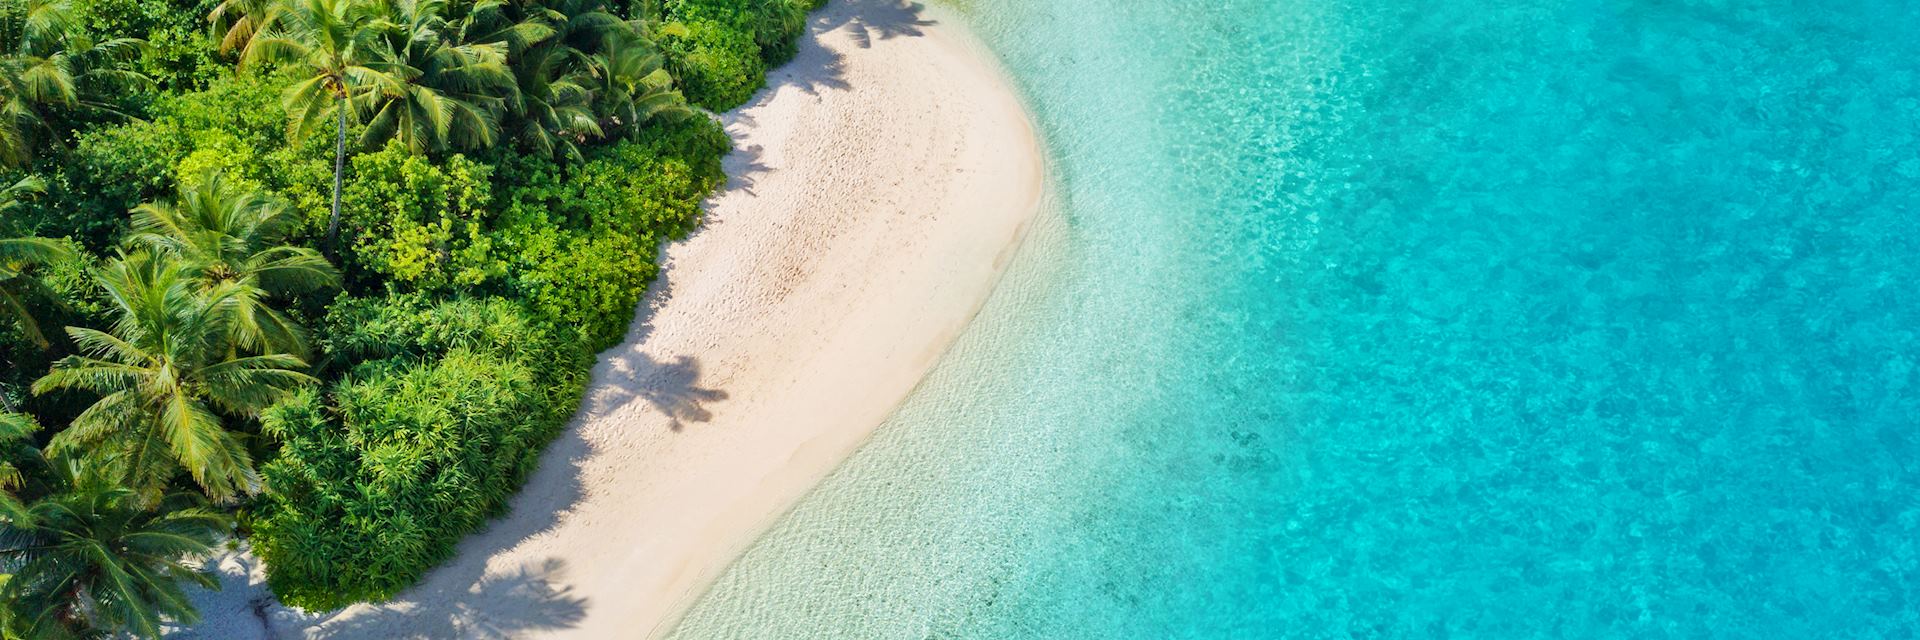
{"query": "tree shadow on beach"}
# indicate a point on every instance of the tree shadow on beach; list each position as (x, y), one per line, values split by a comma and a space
(669, 386)
(744, 168)
(871, 20)
(817, 69)
(627, 373)
(490, 607)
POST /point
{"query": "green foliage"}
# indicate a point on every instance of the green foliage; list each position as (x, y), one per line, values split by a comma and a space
(52, 74)
(15, 429)
(227, 237)
(66, 294)
(91, 559)
(721, 49)
(416, 225)
(234, 125)
(576, 242)
(451, 93)
(180, 54)
(382, 474)
(479, 285)
(165, 375)
(446, 405)
(718, 65)
(22, 293)
(582, 240)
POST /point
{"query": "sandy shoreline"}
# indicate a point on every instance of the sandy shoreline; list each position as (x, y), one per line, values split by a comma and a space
(879, 185)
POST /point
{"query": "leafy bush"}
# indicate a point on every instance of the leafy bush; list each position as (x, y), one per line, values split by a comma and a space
(718, 65)
(444, 407)
(584, 239)
(413, 224)
(179, 55)
(775, 25)
(380, 476)
(236, 124)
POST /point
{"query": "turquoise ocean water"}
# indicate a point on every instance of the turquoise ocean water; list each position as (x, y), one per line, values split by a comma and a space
(1375, 318)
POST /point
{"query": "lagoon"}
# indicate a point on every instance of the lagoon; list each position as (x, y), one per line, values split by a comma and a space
(1389, 319)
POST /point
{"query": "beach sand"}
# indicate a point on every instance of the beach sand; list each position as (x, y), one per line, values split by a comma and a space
(878, 187)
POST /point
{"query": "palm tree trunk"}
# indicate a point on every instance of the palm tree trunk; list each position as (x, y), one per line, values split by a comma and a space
(339, 167)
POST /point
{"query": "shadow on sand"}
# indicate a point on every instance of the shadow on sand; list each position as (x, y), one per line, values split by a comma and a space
(496, 607)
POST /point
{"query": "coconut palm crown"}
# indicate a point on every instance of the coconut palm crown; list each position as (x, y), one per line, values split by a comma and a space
(229, 237)
(166, 375)
(90, 559)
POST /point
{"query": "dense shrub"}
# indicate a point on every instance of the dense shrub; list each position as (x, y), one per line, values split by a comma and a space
(382, 473)
(236, 124)
(444, 407)
(414, 224)
(180, 53)
(721, 49)
(583, 240)
(719, 66)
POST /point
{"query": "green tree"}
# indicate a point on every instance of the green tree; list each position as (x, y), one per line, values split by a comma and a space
(333, 43)
(555, 109)
(433, 93)
(229, 239)
(89, 559)
(164, 374)
(238, 20)
(45, 64)
(15, 428)
(633, 86)
(591, 77)
(17, 256)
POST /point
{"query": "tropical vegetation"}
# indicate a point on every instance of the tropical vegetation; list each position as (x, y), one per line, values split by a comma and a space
(326, 275)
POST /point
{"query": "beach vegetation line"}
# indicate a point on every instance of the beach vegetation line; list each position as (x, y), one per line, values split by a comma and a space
(323, 275)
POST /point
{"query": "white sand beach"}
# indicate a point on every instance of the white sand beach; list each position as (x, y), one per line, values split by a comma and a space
(879, 184)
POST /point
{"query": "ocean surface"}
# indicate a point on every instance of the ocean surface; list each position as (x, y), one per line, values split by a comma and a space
(1392, 319)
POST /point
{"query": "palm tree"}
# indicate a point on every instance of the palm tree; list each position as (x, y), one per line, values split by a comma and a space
(332, 42)
(775, 25)
(43, 65)
(228, 237)
(635, 87)
(555, 109)
(595, 76)
(90, 560)
(17, 256)
(515, 24)
(238, 20)
(165, 374)
(14, 428)
(434, 93)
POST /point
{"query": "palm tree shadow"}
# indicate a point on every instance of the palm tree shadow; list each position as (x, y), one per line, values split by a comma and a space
(744, 168)
(495, 607)
(816, 68)
(669, 386)
(872, 20)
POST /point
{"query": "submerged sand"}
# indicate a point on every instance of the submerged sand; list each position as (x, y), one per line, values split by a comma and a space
(878, 186)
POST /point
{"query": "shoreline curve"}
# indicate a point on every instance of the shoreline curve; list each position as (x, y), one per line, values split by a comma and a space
(878, 187)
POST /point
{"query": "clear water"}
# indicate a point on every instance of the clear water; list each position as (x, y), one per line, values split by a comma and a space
(1376, 318)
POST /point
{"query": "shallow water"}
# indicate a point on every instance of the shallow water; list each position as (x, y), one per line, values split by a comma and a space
(1393, 319)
